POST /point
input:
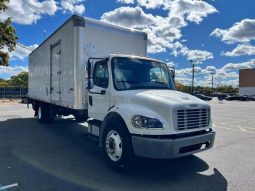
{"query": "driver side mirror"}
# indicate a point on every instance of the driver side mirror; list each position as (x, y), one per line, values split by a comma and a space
(89, 84)
(89, 81)
(172, 72)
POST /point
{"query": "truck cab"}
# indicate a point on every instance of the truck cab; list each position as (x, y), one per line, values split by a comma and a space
(135, 110)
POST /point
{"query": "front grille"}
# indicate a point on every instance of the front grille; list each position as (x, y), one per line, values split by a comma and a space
(192, 118)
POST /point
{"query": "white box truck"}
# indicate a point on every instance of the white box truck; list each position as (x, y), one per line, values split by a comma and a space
(99, 73)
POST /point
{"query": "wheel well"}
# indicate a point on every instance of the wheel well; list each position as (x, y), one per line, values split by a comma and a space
(110, 118)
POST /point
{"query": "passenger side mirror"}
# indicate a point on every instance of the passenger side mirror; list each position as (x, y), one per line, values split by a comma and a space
(172, 72)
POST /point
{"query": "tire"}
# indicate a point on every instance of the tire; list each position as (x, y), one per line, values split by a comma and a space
(44, 114)
(117, 148)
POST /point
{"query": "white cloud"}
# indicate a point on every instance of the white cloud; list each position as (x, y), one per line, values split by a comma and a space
(73, 6)
(126, 1)
(29, 12)
(194, 11)
(133, 17)
(10, 71)
(243, 65)
(159, 37)
(195, 55)
(243, 31)
(211, 70)
(152, 4)
(188, 71)
(162, 31)
(22, 51)
(241, 49)
(227, 75)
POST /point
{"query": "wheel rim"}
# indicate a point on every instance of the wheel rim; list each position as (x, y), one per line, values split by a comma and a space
(39, 112)
(114, 145)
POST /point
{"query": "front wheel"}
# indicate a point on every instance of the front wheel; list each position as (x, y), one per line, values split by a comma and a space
(117, 148)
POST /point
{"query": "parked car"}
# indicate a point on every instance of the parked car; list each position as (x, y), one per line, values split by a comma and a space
(203, 97)
(237, 97)
(250, 98)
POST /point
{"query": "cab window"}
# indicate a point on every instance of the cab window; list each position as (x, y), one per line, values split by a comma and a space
(101, 76)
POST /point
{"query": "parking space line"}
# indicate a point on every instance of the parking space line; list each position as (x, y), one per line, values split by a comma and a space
(245, 130)
(214, 125)
(236, 121)
(8, 186)
(238, 128)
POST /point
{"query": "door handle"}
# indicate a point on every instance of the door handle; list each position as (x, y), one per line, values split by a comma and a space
(90, 101)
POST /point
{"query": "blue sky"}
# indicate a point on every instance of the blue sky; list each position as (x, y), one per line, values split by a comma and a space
(217, 34)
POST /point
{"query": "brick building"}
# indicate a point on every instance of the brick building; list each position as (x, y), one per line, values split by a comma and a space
(247, 81)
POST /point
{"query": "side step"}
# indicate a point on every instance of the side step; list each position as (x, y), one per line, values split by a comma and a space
(93, 131)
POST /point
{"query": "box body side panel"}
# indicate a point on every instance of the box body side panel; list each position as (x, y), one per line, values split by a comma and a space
(49, 75)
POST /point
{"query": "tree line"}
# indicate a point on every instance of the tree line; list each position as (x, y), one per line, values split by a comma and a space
(20, 80)
(8, 36)
(208, 90)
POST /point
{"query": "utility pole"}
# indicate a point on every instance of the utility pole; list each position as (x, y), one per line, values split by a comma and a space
(193, 77)
(212, 79)
(193, 62)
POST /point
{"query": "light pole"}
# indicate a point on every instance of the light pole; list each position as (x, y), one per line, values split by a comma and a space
(212, 79)
(193, 62)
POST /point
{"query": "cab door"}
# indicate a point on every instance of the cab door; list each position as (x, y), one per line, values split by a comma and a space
(100, 93)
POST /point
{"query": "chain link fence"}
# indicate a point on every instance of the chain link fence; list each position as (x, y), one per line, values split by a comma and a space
(13, 92)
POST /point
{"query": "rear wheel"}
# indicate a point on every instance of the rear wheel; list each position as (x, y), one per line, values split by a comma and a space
(44, 113)
(117, 147)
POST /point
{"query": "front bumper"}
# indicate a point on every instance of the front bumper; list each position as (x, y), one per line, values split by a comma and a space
(165, 148)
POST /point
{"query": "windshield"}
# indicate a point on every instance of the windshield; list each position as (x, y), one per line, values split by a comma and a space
(129, 74)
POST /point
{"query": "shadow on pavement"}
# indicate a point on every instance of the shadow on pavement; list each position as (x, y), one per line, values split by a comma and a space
(59, 150)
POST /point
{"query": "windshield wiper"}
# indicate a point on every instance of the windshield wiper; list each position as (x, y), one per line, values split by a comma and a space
(158, 82)
(127, 81)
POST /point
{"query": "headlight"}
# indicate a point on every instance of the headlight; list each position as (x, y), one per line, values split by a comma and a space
(140, 121)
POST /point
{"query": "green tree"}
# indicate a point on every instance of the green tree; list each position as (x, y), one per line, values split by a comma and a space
(3, 82)
(8, 36)
(21, 80)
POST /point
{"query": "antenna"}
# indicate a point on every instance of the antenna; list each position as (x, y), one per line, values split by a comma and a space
(44, 34)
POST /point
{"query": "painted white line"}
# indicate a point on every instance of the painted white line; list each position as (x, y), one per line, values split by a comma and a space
(245, 130)
(220, 126)
(8, 186)
(249, 128)
(236, 121)
(239, 128)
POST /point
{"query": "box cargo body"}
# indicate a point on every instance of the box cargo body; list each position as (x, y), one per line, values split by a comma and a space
(57, 67)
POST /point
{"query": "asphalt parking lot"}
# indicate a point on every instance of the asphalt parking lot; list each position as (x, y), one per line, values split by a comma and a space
(56, 157)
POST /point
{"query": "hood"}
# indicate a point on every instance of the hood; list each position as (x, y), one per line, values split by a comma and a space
(169, 97)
